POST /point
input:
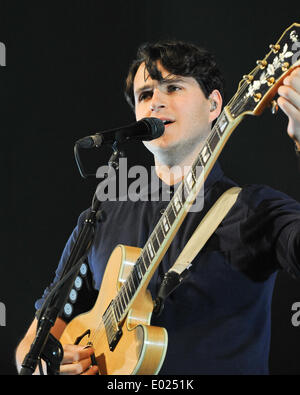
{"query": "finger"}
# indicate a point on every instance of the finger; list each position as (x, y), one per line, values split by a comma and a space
(74, 353)
(294, 117)
(92, 371)
(293, 79)
(290, 94)
(287, 107)
(76, 368)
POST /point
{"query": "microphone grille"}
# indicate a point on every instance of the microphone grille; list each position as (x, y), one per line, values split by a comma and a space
(155, 126)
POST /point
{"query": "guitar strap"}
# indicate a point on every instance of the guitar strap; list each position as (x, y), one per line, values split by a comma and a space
(204, 231)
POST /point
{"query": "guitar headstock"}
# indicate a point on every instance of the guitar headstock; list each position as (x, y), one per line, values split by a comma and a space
(258, 88)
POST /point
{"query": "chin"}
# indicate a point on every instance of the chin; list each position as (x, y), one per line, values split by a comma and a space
(160, 145)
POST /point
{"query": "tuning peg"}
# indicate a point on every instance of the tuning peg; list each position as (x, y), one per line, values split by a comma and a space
(271, 81)
(274, 107)
(257, 97)
(275, 48)
(262, 63)
(248, 78)
(285, 66)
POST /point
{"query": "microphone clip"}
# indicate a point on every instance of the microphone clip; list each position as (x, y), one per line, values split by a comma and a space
(113, 160)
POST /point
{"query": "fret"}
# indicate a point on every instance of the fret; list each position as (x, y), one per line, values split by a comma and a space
(214, 141)
(115, 311)
(200, 160)
(165, 225)
(129, 291)
(217, 129)
(197, 164)
(131, 284)
(185, 192)
(155, 242)
(177, 203)
(118, 311)
(124, 296)
(146, 259)
(205, 155)
(150, 250)
(197, 170)
(138, 273)
(222, 123)
(190, 180)
(148, 255)
(160, 234)
(143, 262)
(122, 304)
(134, 279)
(141, 265)
(171, 214)
(208, 145)
(139, 269)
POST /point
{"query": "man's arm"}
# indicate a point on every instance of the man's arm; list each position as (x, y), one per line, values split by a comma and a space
(76, 359)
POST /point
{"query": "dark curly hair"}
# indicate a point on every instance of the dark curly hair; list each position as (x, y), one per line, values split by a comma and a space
(179, 58)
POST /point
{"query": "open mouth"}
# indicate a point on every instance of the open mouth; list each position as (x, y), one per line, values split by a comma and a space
(167, 122)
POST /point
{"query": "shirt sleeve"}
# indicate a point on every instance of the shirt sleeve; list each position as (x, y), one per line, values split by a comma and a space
(80, 298)
(270, 231)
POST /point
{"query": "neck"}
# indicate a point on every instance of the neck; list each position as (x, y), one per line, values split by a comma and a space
(171, 169)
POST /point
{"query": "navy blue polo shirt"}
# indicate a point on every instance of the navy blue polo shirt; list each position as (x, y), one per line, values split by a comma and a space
(219, 319)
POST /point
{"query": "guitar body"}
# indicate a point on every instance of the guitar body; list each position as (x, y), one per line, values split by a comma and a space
(142, 347)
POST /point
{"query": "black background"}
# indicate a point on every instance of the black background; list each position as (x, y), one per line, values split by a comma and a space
(66, 64)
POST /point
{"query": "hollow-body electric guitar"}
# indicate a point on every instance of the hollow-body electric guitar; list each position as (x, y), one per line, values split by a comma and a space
(118, 326)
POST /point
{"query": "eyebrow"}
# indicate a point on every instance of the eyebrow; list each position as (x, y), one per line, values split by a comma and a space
(163, 81)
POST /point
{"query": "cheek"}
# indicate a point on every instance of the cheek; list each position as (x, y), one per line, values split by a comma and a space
(196, 113)
(140, 112)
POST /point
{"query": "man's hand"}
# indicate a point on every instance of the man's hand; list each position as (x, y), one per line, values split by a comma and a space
(289, 102)
(77, 360)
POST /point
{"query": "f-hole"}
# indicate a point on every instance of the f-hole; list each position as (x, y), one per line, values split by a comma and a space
(79, 338)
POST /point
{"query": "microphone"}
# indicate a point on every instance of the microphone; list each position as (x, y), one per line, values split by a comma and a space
(144, 130)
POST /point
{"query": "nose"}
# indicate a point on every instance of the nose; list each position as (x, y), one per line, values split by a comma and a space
(157, 101)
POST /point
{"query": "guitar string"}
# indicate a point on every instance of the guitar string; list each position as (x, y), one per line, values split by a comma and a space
(107, 320)
(102, 324)
(236, 99)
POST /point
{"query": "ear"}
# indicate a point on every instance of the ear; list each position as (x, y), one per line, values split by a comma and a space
(216, 101)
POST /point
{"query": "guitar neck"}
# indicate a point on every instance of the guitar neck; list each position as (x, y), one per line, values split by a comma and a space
(176, 211)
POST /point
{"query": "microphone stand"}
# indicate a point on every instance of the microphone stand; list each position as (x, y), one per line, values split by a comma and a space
(45, 346)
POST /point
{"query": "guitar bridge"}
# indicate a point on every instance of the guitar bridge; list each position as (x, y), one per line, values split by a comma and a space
(112, 329)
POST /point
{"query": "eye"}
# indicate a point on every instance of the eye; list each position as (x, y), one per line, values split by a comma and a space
(173, 88)
(145, 95)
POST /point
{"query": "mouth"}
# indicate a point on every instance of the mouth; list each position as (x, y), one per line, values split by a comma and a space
(167, 122)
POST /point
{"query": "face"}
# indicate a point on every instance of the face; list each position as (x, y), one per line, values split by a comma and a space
(181, 103)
